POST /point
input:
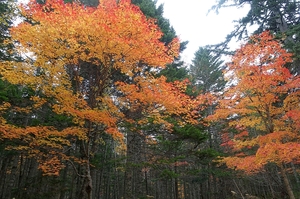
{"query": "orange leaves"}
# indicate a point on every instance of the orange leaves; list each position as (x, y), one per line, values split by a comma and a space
(261, 60)
(278, 137)
(42, 135)
(70, 52)
(260, 55)
(227, 143)
(261, 81)
(261, 98)
(173, 47)
(247, 164)
(51, 166)
(292, 117)
(160, 100)
(291, 104)
(277, 147)
(108, 3)
(241, 135)
(111, 36)
(278, 153)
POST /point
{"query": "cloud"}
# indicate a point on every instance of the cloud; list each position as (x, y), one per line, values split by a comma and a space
(192, 23)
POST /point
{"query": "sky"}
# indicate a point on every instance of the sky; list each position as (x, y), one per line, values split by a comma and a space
(193, 23)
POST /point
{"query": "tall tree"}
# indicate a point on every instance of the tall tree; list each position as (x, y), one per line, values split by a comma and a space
(175, 70)
(259, 97)
(207, 79)
(8, 12)
(206, 71)
(137, 143)
(278, 16)
(71, 54)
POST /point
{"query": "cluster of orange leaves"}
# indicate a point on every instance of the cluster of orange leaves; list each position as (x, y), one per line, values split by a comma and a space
(162, 99)
(264, 96)
(67, 33)
(113, 36)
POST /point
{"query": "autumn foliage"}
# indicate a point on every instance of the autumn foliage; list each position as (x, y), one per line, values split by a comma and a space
(260, 106)
(96, 70)
(73, 56)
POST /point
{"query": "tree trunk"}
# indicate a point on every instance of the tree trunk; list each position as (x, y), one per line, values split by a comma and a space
(286, 182)
(89, 185)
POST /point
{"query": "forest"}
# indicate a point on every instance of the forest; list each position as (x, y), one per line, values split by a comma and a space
(97, 103)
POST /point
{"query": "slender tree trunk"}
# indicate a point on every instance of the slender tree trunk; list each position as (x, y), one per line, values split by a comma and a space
(4, 175)
(296, 175)
(286, 182)
(176, 184)
(89, 180)
(89, 185)
(238, 189)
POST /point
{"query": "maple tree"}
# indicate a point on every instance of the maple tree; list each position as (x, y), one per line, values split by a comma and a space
(71, 53)
(155, 111)
(263, 96)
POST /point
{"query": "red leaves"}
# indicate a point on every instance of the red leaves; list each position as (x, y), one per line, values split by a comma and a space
(241, 135)
(227, 143)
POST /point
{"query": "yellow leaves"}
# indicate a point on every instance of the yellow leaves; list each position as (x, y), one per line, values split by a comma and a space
(4, 106)
(245, 144)
(38, 102)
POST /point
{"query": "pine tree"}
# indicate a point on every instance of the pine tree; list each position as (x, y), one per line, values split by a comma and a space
(7, 14)
(278, 16)
(206, 71)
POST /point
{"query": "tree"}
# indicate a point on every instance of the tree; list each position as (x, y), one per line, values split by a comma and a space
(138, 150)
(258, 99)
(277, 16)
(206, 71)
(8, 12)
(175, 70)
(207, 79)
(71, 53)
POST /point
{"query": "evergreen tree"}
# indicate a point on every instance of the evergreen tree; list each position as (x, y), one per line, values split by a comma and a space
(207, 78)
(206, 71)
(176, 70)
(279, 16)
(7, 14)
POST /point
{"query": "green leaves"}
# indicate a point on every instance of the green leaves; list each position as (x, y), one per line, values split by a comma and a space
(206, 71)
(190, 132)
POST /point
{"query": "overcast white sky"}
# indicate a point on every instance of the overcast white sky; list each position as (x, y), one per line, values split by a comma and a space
(191, 22)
